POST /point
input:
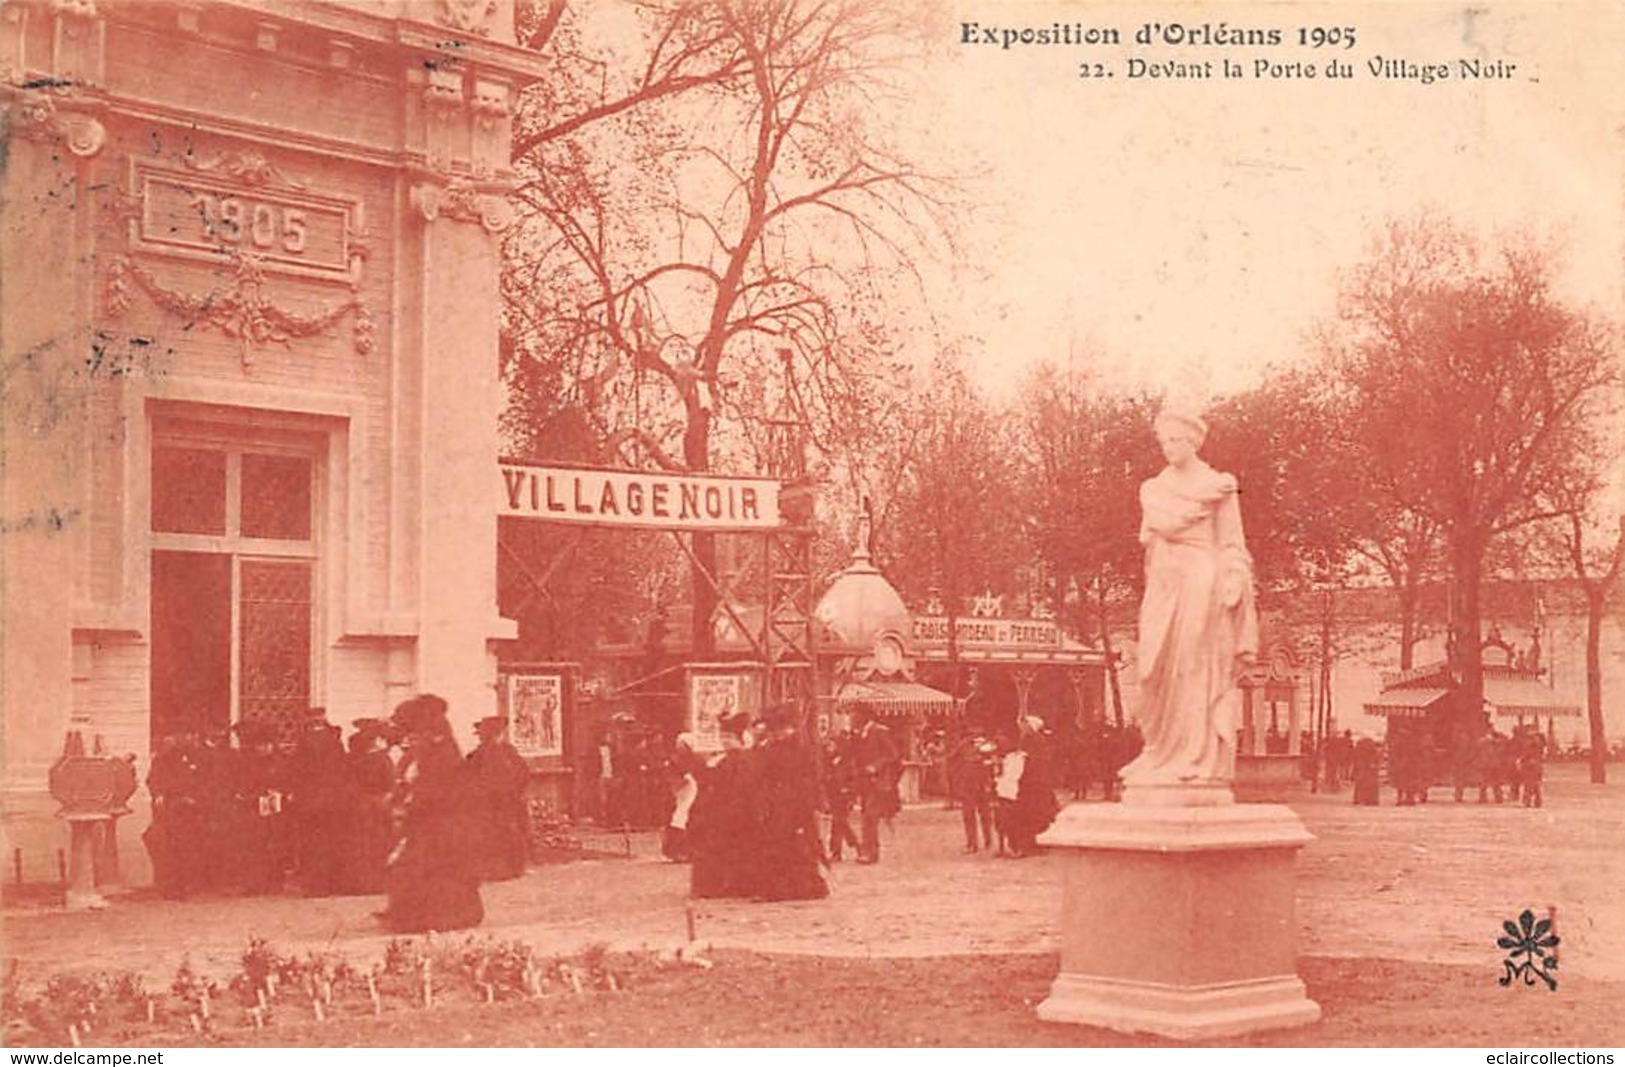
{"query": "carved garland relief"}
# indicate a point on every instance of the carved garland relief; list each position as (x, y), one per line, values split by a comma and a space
(240, 209)
(240, 309)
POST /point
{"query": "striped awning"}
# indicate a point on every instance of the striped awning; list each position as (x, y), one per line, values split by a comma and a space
(1510, 697)
(1524, 696)
(896, 698)
(1404, 703)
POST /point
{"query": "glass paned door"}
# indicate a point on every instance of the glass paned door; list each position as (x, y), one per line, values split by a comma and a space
(274, 654)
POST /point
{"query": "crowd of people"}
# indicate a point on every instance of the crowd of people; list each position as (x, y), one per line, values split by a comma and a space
(746, 816)
(396, 809)
(1489, 766)
(273, 811)
(1004, 789)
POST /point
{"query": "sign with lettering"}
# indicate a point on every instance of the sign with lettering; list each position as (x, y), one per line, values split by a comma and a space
(638, 498)
(1003, 633)
(291, 231)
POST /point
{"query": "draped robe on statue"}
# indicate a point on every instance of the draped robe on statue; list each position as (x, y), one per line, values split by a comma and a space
(1197, 619)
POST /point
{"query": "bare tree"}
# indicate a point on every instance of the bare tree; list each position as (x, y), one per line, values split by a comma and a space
(666, 253)
(1087, 449)
(1315, 521)
(957, 526)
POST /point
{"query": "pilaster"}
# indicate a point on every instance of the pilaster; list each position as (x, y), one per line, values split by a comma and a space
(46, 372)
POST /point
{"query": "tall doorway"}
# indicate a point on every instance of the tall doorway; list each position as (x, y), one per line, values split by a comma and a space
(233, 580)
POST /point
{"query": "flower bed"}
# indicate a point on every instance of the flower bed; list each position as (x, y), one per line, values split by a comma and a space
(320, 987)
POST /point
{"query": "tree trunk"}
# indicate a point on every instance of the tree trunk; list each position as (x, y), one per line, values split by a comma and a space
(697, 455)
(1407, 624)
(1323, 725)
(1466, 647)
(1596, 601)
(1108, 650)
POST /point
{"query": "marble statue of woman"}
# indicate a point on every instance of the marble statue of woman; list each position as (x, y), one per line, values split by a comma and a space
(1197, 624)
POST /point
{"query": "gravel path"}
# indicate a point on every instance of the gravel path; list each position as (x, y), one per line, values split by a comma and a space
(1431, 883)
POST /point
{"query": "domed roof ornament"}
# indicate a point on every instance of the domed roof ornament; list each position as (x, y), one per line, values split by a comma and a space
(860, 604)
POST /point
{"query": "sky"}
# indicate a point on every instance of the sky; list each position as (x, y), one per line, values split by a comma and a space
(1189, 233)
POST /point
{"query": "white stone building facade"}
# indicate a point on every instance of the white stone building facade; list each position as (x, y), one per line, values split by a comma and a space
(249, 327)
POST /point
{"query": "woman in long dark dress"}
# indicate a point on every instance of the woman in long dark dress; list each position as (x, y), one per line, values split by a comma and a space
(433, 884)
(789, 855)
(723, 824)
(1035, 807)
(1367, 770)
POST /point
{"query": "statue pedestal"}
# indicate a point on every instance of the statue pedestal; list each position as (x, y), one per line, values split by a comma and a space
(84, 842)
(1179, 921)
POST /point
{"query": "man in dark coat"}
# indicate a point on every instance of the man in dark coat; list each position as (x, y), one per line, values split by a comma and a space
(789, 855)
(219, 831)
(1367, 761)
(173, 839)
(432, 881)
(319, 810)
(499, 777)
(267, 782)
(840, 793)
(970, 780)
(876, 768)
(371, 781)
(1531, 757)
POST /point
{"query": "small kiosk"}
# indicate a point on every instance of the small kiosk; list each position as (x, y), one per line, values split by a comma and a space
(1269, 741)
(1418, 707)
(866, 658)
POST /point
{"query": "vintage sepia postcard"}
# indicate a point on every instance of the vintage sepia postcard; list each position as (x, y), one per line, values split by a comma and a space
(805, 523)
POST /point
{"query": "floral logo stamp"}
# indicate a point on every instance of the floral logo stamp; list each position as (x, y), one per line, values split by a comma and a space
(1537, 943)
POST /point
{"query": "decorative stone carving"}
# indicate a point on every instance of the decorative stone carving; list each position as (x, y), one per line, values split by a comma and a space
(37, 118)
(444, 88)
(490, 104)
(466, 16)
(241, 310)
(118, 287)
(462, 201)
(443, 113)
(83, 135)
(360, 252)
(249, 167)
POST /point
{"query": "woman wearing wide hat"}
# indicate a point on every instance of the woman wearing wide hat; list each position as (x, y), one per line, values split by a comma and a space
(433, 883)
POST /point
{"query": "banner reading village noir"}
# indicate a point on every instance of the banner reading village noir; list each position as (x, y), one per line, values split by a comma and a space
(638, 498)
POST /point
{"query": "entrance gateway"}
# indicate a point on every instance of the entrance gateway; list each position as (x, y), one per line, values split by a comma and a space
(631, 498)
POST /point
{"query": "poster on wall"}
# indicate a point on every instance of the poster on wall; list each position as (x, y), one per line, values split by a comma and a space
(711, 698)
(536, 711)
